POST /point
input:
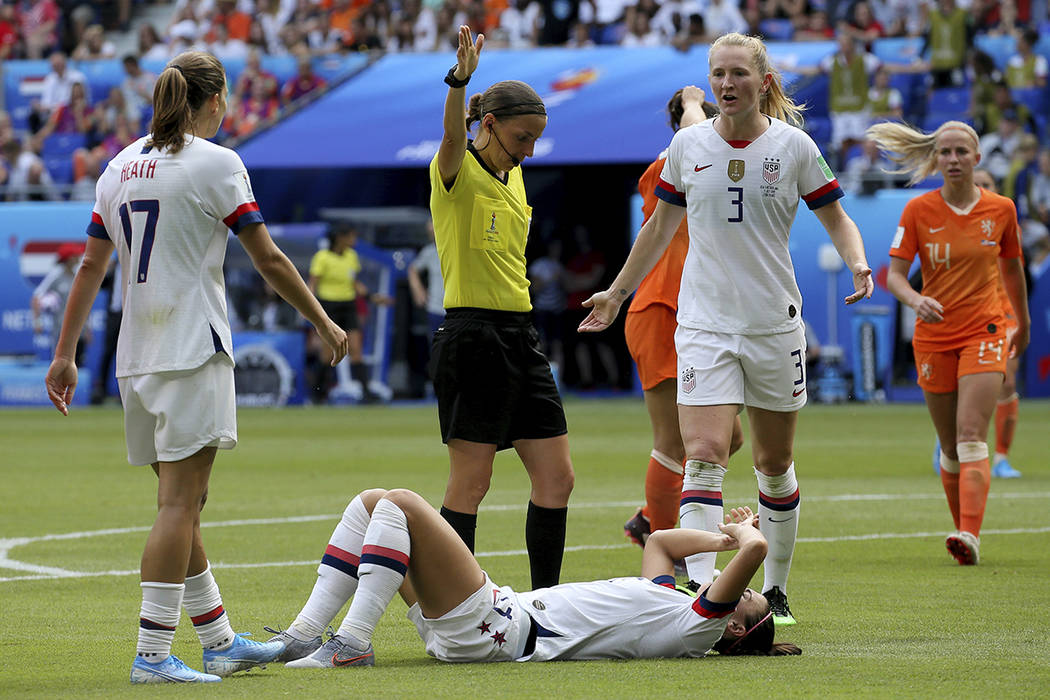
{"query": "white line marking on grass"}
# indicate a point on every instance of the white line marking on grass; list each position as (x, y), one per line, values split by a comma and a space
(37, 572)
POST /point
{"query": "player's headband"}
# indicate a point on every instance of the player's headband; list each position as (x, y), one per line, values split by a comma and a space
(744, 635)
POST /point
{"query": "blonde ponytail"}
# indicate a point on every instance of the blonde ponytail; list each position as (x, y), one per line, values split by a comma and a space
(915, 151)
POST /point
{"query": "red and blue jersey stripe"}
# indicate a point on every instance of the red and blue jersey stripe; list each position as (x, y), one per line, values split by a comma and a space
(667, 192)
(247, 213)
(786, 503)
(386, 557)
(341, 560)
(709, 498)
(666, 580)
(97, 229)
(705, 608)
(824, 195)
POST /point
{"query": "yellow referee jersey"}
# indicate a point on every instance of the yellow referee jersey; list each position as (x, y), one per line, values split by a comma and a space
(481, 226)
(335, 274)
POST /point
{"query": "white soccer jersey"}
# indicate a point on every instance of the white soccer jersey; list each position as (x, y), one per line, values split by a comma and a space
(741, 199)
(623, 618)
(169, 217)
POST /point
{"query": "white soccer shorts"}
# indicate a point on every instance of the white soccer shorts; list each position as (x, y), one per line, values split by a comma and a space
(764, 371)
(169, 416)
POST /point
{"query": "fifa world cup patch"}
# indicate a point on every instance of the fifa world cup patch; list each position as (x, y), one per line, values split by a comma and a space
(688, 380)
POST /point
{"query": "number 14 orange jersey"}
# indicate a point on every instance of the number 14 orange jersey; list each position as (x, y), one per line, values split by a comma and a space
(959, 255)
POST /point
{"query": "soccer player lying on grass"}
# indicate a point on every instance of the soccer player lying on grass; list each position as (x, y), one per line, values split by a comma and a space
(463, 616)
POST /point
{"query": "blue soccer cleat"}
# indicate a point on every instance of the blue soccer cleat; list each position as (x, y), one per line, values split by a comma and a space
(937, 457)
(240, 656)
(170, 670)
(1004, 470)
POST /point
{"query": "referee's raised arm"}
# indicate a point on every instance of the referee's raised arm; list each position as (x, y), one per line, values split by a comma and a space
(454, 141)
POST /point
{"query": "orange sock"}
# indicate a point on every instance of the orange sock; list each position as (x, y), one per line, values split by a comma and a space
(950, 482)
(1005, 422)
(663, 492)
(974, 479)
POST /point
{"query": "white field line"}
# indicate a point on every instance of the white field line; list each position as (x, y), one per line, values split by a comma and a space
(37, 572)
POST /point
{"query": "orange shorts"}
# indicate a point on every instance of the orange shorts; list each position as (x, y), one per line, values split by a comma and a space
(939, 372)
(650, 340)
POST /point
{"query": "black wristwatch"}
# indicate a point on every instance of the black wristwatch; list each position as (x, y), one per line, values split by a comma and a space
(452, 81)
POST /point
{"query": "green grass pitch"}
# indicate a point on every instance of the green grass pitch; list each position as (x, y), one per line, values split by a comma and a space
(883, 610)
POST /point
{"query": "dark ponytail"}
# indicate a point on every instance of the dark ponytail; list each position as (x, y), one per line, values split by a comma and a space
(509, 98)
(758, 641)
(182, 88)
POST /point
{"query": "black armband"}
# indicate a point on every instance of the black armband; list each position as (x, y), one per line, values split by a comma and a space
(452, 81)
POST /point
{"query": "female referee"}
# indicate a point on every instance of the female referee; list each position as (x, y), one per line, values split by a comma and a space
(493, 384)
(740, 338)
(333, 278)
(391, 540)
(167, 202)
(965, 238)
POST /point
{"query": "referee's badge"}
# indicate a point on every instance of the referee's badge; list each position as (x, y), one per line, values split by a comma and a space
(688, 380)
(736, 170)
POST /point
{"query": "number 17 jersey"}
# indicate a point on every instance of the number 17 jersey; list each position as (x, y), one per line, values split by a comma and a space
(169, 216)
(740, 199)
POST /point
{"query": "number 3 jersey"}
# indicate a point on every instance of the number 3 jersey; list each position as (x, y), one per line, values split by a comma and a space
(740, 199)
(169, 217)
(959, 256)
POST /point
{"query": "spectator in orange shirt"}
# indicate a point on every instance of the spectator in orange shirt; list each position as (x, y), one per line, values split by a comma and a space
(965, 237)
(649, 331)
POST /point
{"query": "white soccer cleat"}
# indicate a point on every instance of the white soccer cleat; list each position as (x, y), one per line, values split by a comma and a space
(336, 652)
(965, 547)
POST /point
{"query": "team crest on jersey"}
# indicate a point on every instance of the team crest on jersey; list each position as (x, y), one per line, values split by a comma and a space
(771, 171)
(736, 170)
(926, 370)
(987, 227)
(688, 380)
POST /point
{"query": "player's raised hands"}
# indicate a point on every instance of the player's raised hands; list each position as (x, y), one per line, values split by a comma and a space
(739, 521)
(467, 53)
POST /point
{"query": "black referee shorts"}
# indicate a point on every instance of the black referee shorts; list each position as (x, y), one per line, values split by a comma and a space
(492, 381)
(343, 313)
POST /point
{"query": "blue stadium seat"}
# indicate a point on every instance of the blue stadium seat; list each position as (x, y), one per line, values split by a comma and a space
(951, 100)
(777, 29)
(819, 129)
(1036, 99)
(62, 144)
(60, 167)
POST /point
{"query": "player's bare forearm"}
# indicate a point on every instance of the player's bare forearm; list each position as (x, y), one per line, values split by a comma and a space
(1016, 288)
(664, 546)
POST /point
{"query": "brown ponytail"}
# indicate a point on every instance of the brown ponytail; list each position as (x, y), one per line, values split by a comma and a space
(758, 641)
(183, 86)
(508, 98)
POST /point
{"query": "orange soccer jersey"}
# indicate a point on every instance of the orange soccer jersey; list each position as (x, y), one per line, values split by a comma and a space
(959, 255)
(661, 285)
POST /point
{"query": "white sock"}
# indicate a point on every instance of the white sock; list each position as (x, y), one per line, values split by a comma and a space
(384, 562)
(203, 604)
(336, 575)
(778, 506)
(157, 619)
(701, 509)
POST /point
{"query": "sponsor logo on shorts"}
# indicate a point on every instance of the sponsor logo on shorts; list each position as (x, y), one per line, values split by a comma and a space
(797, 392)
(688, 380)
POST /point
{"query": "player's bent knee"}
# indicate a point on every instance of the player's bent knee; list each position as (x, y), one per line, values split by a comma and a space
(370, 497)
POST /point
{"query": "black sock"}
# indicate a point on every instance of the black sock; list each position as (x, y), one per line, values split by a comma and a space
(463, 523)
(545, 540)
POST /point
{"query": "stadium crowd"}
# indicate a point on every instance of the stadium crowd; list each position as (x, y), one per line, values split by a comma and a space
(71, 137)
